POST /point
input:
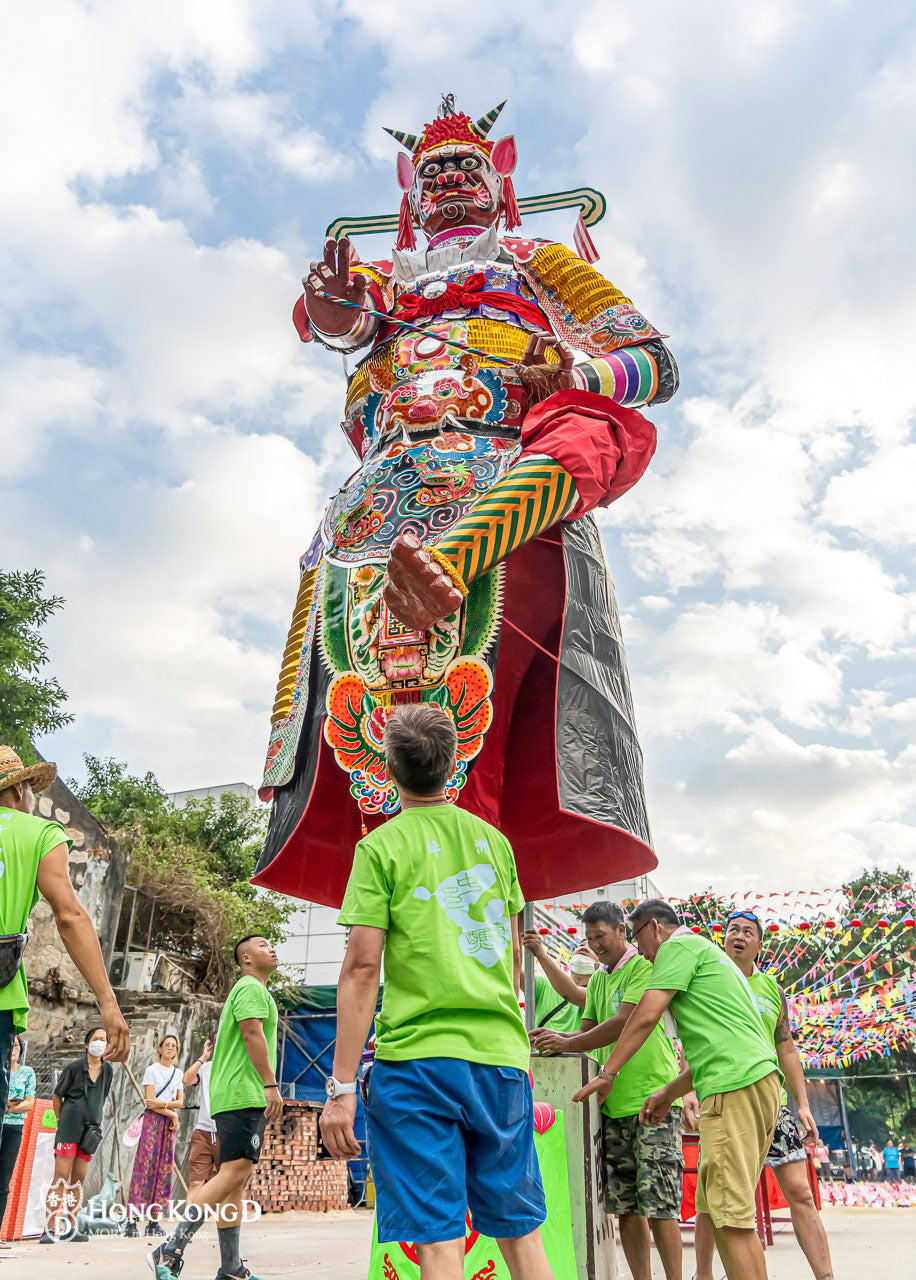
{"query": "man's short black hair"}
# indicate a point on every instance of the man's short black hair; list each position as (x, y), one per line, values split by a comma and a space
(420, 747)
(241, 942)
(654, 909)
(603, 913)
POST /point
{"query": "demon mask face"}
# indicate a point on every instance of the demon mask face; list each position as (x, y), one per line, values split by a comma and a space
(454, 175)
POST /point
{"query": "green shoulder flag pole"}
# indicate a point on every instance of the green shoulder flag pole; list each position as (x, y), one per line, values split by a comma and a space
(591, 202)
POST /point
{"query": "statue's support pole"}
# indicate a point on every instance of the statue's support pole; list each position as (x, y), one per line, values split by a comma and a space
(528, 959)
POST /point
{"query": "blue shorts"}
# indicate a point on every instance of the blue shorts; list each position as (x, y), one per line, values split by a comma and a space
(445, 1136)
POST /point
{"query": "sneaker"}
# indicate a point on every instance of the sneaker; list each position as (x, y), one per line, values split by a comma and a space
(131, 1230)
(244, 1274)
(76, 1237)
(48, 1237)
(162, 1266)
(153, 1229)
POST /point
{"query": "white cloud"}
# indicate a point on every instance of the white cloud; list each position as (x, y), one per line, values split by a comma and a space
(773, 814)
(161, 415)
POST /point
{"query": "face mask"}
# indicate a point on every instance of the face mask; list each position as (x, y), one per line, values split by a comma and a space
(97, 1048)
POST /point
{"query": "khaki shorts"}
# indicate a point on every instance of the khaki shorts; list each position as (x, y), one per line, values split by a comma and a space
(736, 1130)
(203, 1156)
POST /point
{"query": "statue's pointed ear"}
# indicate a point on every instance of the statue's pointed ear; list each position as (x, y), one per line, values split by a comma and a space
(405, 171)
(504, 156)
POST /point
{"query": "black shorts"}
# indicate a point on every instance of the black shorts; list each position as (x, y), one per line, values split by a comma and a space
(241, 1134)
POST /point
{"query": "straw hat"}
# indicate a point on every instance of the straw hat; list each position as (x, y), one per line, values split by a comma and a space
(12, 770)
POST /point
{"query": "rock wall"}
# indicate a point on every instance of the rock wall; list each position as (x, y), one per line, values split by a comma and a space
(150, 1016)
(98, 869)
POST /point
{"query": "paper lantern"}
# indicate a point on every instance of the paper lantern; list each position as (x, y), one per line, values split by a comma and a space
(829, 924)
(716, 928)
(572, 929)
(695, 928)
(884, 924)
(773, 928)
(909, 923)
(804, 925)
(856, 923)
(543, 932)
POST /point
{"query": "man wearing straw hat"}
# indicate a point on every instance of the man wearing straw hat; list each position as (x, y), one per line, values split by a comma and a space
(34, 859)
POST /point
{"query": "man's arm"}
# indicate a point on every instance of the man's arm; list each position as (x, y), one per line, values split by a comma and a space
(606, 1033)
(21, 1107)
(791, 1067)
(357, 997)
(561, 981)
(82, 943)
(639, 1027)
(590, 1035)
(657, 1105)
(252, 1030)
(192, 1075)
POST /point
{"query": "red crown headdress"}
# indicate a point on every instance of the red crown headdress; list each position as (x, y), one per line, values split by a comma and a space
(451, 126)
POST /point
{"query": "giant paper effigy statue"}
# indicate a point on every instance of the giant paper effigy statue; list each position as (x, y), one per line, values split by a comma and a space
(461, 563)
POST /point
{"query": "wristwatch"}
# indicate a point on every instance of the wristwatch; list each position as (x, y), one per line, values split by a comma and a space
(334, 1089)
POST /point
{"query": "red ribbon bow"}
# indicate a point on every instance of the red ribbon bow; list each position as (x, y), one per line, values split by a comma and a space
(456, 297)
(468, 296)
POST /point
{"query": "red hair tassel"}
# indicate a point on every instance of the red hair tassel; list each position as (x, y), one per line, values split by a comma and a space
(406, 237)
(510, 206)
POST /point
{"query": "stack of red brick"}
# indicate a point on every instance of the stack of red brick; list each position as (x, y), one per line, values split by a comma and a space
(295, 1171)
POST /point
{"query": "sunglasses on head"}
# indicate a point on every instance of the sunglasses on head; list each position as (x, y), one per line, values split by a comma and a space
(743, 915)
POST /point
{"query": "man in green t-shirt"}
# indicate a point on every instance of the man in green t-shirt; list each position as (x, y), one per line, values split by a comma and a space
(643, 1162)
(35, 860)
(244, 1096)
(559, 996)
(786, 1156)
(450, 1116)
(732, 1065)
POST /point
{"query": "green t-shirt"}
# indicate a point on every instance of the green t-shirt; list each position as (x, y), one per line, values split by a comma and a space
(442, 883)
(767, 997)
(655, 1063)
(546, 999)
(234, 1083)
(24, 841)
(718, 1023)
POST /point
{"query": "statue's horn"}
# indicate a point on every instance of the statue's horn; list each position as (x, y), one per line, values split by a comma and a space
(408, 140)
(486, 123)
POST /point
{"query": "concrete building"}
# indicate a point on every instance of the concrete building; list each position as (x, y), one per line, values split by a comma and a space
(180, 798)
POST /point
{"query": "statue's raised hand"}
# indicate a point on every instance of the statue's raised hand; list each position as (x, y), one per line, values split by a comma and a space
(332, 297)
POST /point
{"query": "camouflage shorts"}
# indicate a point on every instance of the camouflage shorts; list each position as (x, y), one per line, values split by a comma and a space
(642, 1166)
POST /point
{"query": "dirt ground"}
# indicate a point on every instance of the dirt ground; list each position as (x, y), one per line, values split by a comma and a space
(335, 1246)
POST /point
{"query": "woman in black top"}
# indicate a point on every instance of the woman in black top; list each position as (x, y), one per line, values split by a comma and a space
(78, 1101)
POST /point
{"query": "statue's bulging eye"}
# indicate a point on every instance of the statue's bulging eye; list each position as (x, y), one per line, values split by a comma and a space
(470, 162)
(430, 170)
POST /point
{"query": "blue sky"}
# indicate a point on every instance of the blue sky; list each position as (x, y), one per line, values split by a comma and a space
(167, 442)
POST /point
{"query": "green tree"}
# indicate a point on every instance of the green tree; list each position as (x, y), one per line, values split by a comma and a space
(193, 865)
(30, 704)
